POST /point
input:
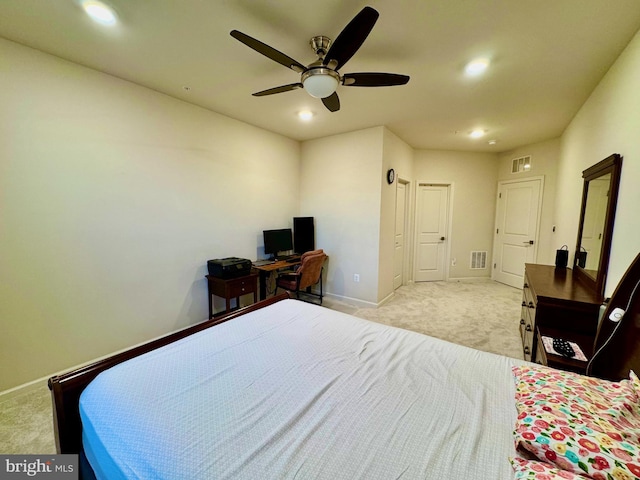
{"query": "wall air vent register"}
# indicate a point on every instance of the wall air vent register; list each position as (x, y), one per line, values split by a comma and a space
(521, 164)
(478, 260)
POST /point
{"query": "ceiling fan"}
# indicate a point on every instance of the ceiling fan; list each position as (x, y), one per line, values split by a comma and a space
(321, 78)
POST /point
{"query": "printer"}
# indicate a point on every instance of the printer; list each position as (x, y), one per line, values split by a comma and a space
(230, 267)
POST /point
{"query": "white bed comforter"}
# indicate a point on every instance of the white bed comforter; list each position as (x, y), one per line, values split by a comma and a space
(297, 391)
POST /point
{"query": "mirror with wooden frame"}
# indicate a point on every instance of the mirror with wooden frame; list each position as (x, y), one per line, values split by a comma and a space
(599, 197)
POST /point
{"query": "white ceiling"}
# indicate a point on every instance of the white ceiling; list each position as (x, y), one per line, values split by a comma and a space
(547, 57)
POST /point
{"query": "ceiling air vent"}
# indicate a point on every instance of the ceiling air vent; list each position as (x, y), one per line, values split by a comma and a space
(478, 260)
(522, 164)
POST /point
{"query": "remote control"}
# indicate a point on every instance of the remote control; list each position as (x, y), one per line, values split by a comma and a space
(563, 347)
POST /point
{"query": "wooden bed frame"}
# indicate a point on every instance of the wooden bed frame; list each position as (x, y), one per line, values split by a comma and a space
(617, 345)
(66, 388)
(619, 354)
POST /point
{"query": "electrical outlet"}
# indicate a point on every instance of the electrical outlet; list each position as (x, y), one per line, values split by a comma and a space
(356, 277)
(453, 262)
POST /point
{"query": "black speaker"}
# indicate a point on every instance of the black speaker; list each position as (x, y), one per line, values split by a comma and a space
(303, 234)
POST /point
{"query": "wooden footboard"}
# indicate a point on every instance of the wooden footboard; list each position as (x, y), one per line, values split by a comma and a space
(66, 388)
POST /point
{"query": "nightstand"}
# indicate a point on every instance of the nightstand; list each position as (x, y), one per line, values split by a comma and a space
(231, 288)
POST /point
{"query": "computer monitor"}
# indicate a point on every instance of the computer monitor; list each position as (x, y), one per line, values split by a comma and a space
(276, 241)
(303, 234)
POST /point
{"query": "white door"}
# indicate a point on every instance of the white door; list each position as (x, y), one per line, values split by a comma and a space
(401, 212)
(432, 211)
(517, 221)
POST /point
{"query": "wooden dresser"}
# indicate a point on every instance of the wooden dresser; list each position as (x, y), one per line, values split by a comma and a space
(556, 304)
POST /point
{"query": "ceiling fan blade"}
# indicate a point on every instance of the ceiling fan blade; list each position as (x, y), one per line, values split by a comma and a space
(280, 89)
(268, 51)
(332, 102)
(352, 37)
(373, 79)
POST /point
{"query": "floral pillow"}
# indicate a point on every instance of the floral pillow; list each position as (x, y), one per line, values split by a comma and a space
(584, 425)
(535, 470)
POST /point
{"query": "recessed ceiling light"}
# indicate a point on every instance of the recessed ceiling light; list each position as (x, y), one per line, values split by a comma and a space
(305, 115)
(477, 67)
(492, 142)
(477, 134)
(99, 12)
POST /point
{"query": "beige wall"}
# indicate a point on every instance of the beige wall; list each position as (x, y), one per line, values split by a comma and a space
(544, 161)
(473, 177)
(112, 199)
(340, 187)
(609, 122)
(114, 196)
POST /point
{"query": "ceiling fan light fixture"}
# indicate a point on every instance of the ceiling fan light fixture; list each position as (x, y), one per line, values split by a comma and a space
(320, 82)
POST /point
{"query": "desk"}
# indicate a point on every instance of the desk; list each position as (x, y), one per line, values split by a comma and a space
(265, 270)
(230, 288)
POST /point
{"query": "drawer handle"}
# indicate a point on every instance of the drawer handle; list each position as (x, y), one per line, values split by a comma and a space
(528, 328)
(527, 351)
(526, 285)
(524, 303)
(531, 305)
(522, 321)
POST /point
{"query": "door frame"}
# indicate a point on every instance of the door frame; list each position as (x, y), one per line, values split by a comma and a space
(407, 271)
(449, 228)
(538, 222)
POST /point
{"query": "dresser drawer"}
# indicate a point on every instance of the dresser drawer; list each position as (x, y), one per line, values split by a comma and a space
(527, 321)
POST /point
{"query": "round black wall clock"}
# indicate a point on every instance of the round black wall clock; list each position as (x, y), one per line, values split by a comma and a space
(391, 176)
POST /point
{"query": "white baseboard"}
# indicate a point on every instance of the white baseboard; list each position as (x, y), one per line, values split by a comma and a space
(351, 301)
(469, 279)
(22, 389)
(386, 299)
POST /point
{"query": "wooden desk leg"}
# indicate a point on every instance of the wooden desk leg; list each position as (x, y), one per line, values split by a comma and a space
(210, 305)
(228, 304)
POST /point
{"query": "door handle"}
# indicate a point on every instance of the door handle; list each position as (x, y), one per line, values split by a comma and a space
(442, 238)
(529, 242)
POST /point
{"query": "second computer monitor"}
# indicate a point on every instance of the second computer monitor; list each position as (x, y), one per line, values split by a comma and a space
(303, 234)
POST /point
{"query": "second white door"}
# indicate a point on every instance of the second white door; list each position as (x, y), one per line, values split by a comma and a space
(432, 212)
(517, 219)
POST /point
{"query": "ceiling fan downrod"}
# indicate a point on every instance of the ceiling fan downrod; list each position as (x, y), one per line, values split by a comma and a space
(320, 45)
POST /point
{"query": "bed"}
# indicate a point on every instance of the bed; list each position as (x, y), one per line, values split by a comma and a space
(287, 389)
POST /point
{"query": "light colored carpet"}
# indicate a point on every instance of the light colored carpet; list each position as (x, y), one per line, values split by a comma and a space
(479, 314)
(484, 315)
